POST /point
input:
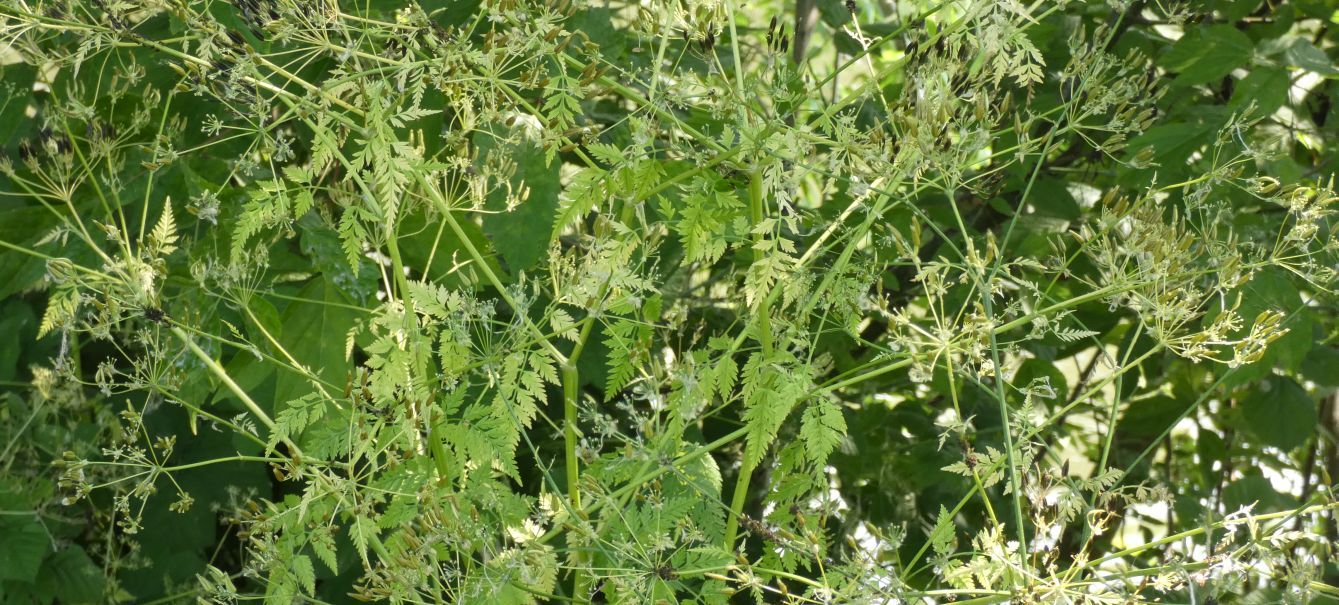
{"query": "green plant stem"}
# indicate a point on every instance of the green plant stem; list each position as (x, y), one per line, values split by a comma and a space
(763, 322)
(223, 376)
(436, 448)
(570, 434)
(1050, 421)
(1015, 483)
(482, 264)
(227, 380)
(840, 383)
(212, 461)
(297, 367)
(580, 582)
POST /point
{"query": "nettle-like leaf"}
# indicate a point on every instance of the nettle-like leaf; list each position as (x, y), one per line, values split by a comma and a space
(562, 104)
(941, 537)
(270, 205)
(353, 234)
(391, 364)
(305, 573)
(322, 543)
(985, 466)
(389, 160)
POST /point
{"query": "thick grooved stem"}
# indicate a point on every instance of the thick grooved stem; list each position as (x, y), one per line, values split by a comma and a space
(764, 332)
(570, 434)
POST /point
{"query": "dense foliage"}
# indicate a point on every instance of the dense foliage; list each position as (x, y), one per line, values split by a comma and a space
(702, 301)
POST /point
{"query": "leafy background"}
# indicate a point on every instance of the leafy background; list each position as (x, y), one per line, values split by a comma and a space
(389, 248)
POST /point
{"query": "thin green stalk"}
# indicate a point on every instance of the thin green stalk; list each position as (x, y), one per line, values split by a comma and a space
(297, 367)
(212, 461)
(223, 377)
(227, 380)
(1015, 483)
(1244, 519)
(436, 447)
(1049, 422)
(570, 434)
(482, 264)
(1110, 437)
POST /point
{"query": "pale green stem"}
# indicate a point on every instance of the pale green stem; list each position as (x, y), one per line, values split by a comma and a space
(764, 332)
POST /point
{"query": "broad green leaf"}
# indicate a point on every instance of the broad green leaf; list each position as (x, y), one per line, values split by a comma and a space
(17, 322)
(16, 87)
(834, 13)
(23, 226)
(423, 240)
(315, 330)
(521, 234)
(1303, 54)
(1322, 366)
(23, 544)
(1205, 54)
(1235, 10)
(1148, 418)
(1266, 87)
(73, 577)
(265, 323)
(1173, 143)
(1255, 489)
(1280, 413)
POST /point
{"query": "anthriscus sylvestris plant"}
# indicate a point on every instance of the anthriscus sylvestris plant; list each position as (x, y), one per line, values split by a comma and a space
(705, 301)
